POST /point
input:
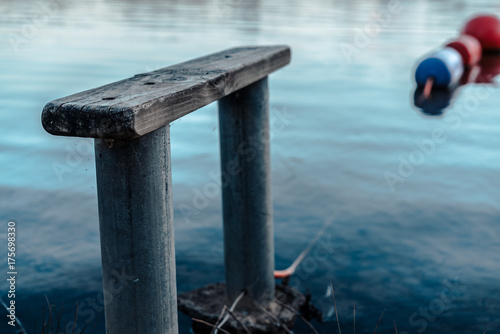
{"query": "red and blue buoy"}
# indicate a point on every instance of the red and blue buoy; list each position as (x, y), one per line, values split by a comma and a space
(445, 68)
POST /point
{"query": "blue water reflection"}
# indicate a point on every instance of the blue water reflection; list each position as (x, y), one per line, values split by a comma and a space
(344, 124)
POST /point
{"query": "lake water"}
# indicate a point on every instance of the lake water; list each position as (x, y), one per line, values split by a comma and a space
(425, 247)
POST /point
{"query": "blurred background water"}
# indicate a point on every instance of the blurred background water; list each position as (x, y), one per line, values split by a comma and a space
(342, 122)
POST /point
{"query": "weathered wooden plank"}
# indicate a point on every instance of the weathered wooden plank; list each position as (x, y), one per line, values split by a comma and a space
(136, 106)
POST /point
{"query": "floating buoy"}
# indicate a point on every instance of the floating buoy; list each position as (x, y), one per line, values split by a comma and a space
(469, 48)
(462, 61)
(486, 28)
(443, 68)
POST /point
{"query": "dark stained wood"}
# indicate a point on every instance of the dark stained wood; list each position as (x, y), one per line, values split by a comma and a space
(136, 106)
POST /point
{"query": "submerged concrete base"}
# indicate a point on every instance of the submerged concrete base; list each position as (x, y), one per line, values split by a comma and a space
(207, 303)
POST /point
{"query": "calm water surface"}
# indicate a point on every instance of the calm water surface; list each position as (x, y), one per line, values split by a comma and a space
(340, 125)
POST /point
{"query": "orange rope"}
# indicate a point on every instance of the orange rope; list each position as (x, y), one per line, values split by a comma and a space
(428, 87)
(291, 270)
